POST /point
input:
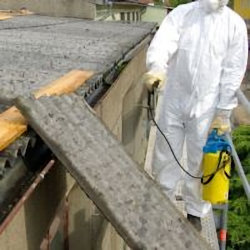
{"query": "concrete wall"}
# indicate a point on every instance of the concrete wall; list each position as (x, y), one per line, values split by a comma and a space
(60, 8)
(243, 8)
(121, 110)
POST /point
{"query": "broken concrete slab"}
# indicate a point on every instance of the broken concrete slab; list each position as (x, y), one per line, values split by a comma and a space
(127, 196)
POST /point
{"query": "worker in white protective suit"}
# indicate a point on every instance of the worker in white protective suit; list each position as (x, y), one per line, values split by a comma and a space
(201, 48)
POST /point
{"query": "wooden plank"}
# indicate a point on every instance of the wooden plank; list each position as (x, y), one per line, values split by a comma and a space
(64, 85)
(4, 16)
(13, 124)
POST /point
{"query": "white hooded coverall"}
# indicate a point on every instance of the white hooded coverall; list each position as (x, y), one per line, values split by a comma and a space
(204, 55)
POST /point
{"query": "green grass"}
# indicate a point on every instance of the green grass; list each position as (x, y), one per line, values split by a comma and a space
(239, 207)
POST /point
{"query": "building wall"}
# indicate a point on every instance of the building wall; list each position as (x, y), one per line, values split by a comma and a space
(132, 13)
(60, 8)
(242, 7)
(154, 14)
(121, 110)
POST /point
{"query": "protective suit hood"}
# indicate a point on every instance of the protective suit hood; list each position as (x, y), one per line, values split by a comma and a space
(210, 6)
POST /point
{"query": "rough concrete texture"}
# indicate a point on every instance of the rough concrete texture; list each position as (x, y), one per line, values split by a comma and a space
(65, 8)
(127, 196)
(241, 116)
(36, 49)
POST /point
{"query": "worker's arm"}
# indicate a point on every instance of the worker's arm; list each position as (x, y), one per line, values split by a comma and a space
(165, 42)
(234, 67)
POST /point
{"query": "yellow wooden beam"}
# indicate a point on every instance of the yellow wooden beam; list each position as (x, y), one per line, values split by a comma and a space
(4, 16)
(12, 122)
(7, 14)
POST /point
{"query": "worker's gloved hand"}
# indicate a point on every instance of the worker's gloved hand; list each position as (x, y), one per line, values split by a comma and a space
(221, 121)
(153, 79)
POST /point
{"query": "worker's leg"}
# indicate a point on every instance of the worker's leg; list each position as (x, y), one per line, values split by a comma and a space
(196, 136)
(165, 169)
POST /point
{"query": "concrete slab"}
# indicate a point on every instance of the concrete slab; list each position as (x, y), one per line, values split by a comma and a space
(127, 196)
(36, 50)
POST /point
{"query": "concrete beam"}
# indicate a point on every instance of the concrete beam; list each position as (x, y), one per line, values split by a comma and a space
(127, 196)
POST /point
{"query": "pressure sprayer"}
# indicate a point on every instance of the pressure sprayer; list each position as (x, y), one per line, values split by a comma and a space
(216, 166)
